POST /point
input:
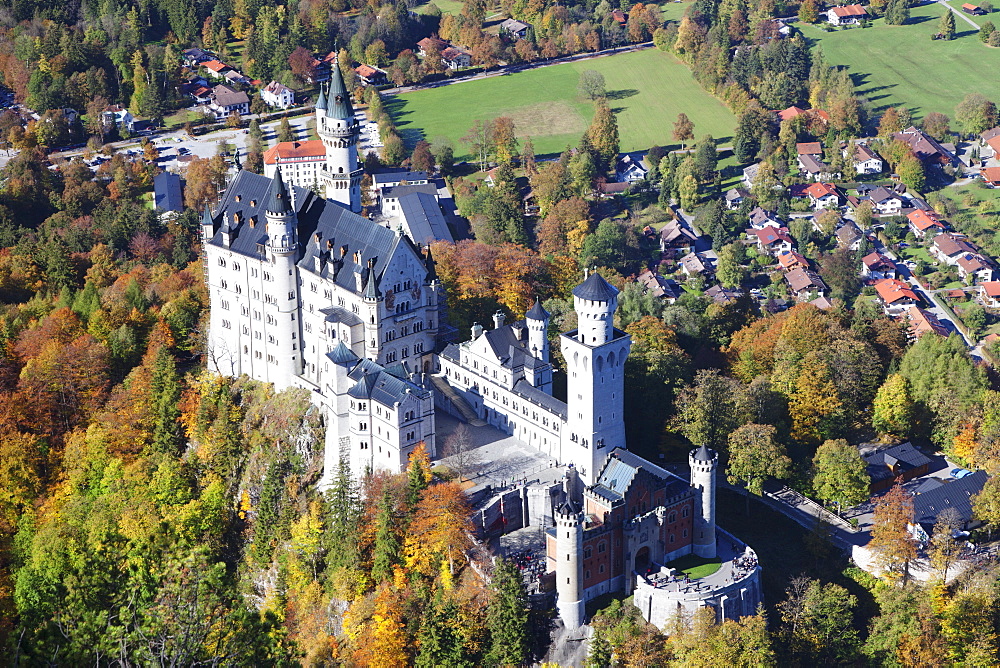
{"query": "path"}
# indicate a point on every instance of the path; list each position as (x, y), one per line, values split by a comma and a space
(513, 69)
(960, 15)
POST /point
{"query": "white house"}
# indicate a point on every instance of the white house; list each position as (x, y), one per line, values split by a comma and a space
(224, 101)
(885, 202)
(117, 116)
(629, 170)
(846, 15)
(277, 95)
(863, 158)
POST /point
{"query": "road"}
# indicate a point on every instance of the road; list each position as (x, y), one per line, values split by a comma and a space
(513, 69)
(960, 15)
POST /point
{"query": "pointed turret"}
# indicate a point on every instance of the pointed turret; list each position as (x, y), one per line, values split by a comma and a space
(371, 287)
(339, 103)
(278, 201)
(321, 100)
(431, 267)
(237, 165)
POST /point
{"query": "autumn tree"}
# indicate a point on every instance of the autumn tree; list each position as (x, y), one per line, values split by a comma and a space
(683, 129)
(839, 474)
(708, 411)
(603, 135)
(892, 544)
(505, 144)
(986, 504)
(976, 114)
(591, 84)
(945, 547)
(756, 455)
(422, 159)
(892, 410)
(817, 624)
(814, 404)
(936, 125)
(440, 531)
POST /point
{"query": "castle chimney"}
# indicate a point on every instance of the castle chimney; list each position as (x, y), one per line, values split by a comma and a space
(477, 330)
(498, 319)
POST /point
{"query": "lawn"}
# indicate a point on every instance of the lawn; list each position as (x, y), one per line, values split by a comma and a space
(446, 7)
(696, 567)
(901, 65)
(646, 88)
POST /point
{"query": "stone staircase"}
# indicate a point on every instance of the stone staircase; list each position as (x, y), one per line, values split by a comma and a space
(457, 401)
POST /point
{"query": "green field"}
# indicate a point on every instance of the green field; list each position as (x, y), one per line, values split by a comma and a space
(647, 89)
(901, 65)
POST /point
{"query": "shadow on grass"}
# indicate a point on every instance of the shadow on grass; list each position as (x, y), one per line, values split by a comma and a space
(621, 94)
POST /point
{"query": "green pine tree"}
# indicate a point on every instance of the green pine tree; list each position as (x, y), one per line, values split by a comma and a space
(166, 391)
(507, 617)
(947, 25)
(439, 644)
(343, 512)
(388, 551)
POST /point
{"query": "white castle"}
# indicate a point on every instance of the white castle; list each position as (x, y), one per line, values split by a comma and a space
(307, 293)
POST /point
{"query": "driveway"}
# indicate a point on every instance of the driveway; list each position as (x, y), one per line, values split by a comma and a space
(960, 15)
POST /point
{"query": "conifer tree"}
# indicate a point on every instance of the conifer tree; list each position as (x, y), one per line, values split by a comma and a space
(343, 512)
(603, 135)
(507, 617)
(388, 551)
(166, 391)
(439, 644)
(947, 25)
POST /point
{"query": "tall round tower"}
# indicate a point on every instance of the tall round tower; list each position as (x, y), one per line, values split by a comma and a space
(339, 130)
(569, 565)
(537, 319)
(703, 464)
(595, 301)
(283, 361)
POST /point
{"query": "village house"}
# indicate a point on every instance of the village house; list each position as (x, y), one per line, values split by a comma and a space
(932, 495)
(761, 218)
(991, 176)
(988, 294)
(897, 462)
(975, 268)
(660, 287)
(620, 17)
(863, 158)
(514, 28)
(750, 174)
(277, 95)
(973, 9)
(215, 68)
(823, 195)
(428, 44)
(629, 170)
(455, 58)
(300, 162)
(118, 116)
(922, 322)
(804, 285)
(878, 266)
(194, 57)
(371, 76)
(696, 264)
(772, 240)
(849, 235)
(948, 247)
(791, 260)
(925, 147)
(846, 15)
(895, 294)
(885, 202)
(224, 101)
(237, 77)
(923, 223)
(735, 198)
(722, 295)
(815, 169)
(675, 236)
(991, 138)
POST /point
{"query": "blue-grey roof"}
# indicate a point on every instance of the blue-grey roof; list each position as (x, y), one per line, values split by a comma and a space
(423, 218)
(595, 289)
(398, 176)
(529, 392)
(321, 100)
(167, 192)
(703, 454)
(621, 468)
(903, 457)
(537, 312)
(339, 101)
(955, 494)
(278, 200)
(342, 233)
(378, 384)
(409, 189)
(341, 354)
(341, 315)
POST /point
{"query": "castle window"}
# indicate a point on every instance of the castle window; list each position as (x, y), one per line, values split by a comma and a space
(600, 569)
(587, 575)
(671, 539)
(236, 266)
(312, 287)
(226, 324)
(222, 262)
(586, 553)
(685, 533)
(363, 426)
(684, 513)
(601, 547)
(224, 285)
(225, 304)
(672, 518)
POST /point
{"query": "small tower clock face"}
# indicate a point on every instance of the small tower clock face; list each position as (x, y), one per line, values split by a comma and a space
(390, 298)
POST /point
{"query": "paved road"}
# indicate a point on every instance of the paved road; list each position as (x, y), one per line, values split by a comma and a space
(960, 15)
(513, 69)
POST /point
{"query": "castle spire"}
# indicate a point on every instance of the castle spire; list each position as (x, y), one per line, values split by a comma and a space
(339, 103)
(321, 101)
(278, 201)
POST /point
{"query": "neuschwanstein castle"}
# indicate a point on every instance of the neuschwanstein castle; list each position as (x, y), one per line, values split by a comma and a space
(305, 292)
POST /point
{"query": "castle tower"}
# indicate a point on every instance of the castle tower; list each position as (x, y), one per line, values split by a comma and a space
(284, 359)
(595, 356)
(569, 565)
(703, 464)
(339, 130)
(373, 324)
(537, 319)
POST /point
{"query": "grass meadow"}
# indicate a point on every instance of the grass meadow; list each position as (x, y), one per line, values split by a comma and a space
(901, 65)
(647, 89)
